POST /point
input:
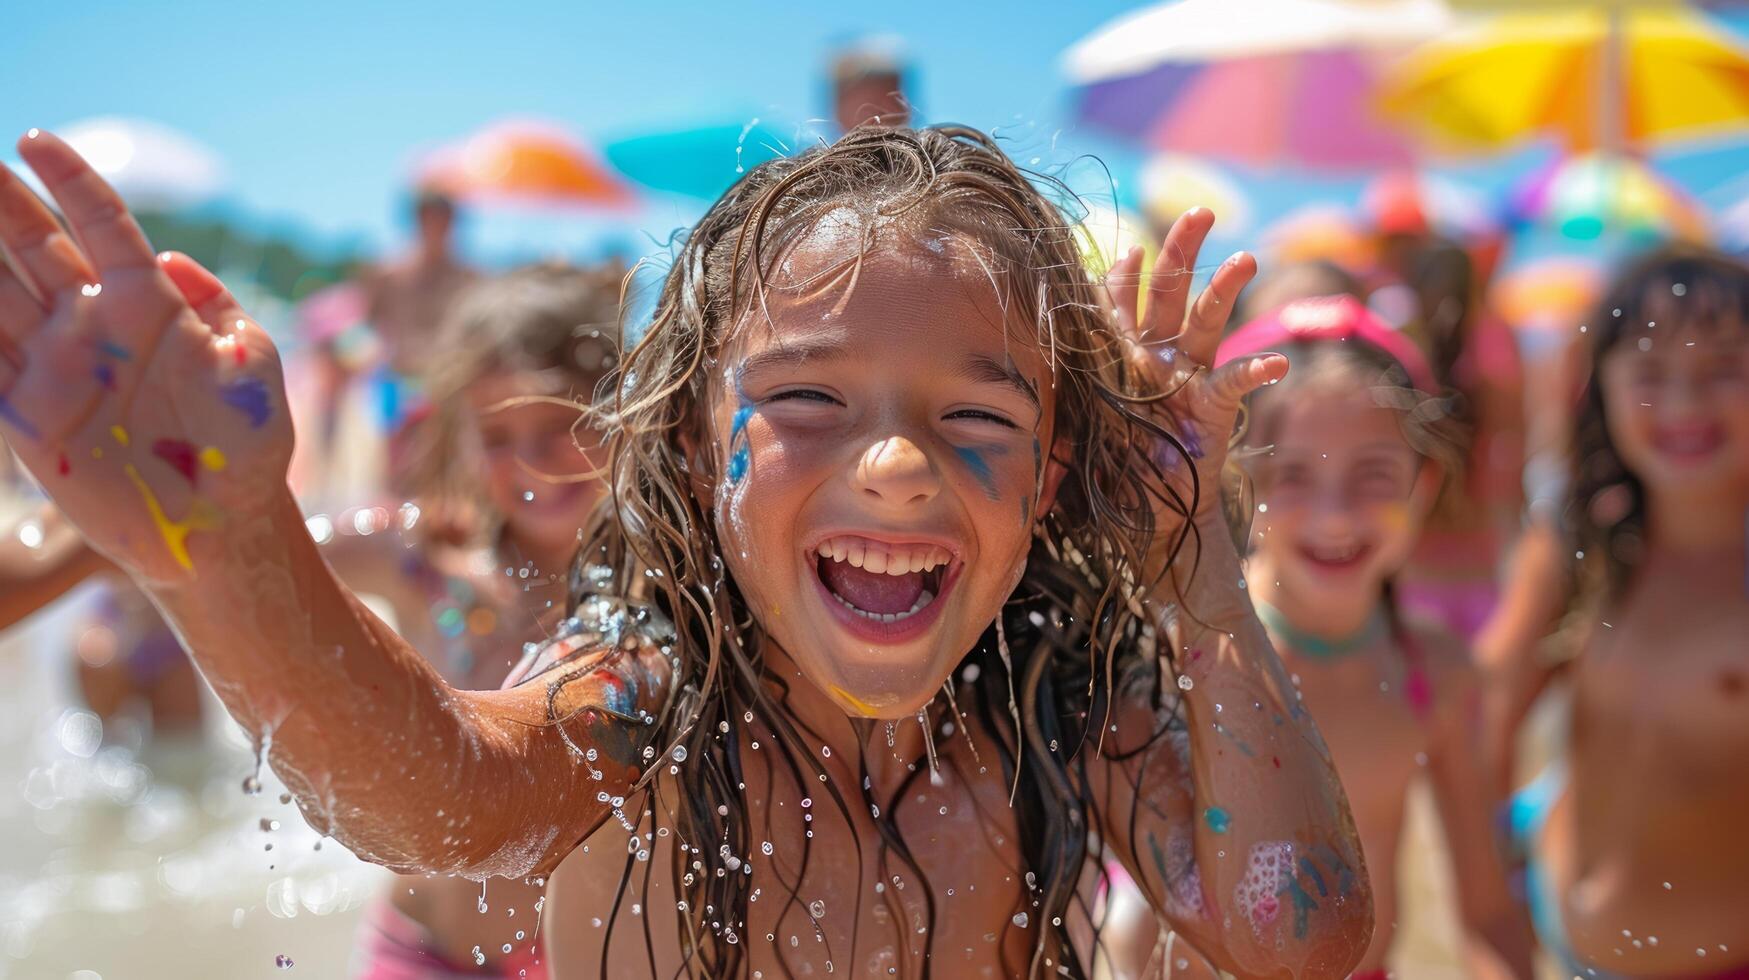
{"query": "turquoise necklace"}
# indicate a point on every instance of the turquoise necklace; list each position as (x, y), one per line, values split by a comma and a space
(1319, 647)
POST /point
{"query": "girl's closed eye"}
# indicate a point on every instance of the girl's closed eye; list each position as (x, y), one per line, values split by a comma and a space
(980, 415)
(805, 395)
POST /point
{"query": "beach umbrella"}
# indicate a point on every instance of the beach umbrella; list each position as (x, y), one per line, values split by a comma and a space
(1173, 184)
(1292, 84)
(1594, 76)
(523, 162)
(1597, 195)
(152, 166)
(701, 161)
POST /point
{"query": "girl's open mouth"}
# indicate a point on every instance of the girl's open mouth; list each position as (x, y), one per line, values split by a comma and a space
(1688, 443)
(881, 590)
(1335, 558)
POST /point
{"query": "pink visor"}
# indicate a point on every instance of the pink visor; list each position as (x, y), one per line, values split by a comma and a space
(1327, 318)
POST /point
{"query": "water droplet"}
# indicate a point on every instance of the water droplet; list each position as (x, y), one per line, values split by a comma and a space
(1020, 919)
(679, 753)
(1185, 683)
(91, 289)
(479, 957)
(282, 961)
(251, 784)
(817, 909)
(269, 825)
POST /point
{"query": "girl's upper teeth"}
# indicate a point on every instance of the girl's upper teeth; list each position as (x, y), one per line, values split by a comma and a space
(882, 558)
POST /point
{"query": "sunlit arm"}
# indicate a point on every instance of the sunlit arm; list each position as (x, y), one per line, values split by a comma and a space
(380, 752)
(1240, 833)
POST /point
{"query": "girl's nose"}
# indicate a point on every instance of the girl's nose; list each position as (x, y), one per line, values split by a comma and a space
(897, 472)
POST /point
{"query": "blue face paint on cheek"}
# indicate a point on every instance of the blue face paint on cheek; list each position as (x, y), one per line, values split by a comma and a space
(740, 452)
(980, 467)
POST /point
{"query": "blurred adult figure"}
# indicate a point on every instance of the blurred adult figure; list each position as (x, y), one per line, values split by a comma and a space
(869, 84)
(407, 296)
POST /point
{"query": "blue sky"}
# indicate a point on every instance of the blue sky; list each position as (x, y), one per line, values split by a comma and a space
(318, 107)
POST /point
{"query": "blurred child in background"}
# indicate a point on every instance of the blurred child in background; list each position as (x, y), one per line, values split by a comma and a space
(1451, 577)
(506, 474)
(1346, 459)
(1634, 840)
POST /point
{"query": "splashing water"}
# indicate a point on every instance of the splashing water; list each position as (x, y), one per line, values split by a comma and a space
(741, 143)
(1013, 706)
(929, 746)
(954, 706)
(283, 961)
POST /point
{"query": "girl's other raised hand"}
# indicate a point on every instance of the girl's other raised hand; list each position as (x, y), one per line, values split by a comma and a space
(1174, 342)
(148, 404)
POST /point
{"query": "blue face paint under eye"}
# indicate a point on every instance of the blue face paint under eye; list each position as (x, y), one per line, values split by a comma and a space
(740, 453)
(980, 467)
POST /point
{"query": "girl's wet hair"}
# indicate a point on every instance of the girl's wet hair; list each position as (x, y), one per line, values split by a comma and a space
(1071, 628)
(550, 319)
(1680, 288)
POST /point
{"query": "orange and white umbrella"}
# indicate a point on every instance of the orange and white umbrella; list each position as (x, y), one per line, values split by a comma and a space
(524, 162)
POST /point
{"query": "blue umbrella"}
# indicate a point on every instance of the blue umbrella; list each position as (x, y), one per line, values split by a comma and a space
(702, 161)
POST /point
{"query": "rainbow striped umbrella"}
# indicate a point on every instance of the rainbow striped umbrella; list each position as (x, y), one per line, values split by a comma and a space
(1294, 84)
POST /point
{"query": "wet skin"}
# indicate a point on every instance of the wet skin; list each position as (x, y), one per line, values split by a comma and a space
(1341, 499)
(375, 744)
(1648, 837)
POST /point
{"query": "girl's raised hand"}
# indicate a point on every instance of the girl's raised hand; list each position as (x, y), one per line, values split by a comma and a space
(142, 397)
(1178, 350)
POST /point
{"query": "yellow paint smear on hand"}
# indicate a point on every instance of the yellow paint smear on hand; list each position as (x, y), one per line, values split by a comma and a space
(119, 434)
(213, 458)
(174, 533)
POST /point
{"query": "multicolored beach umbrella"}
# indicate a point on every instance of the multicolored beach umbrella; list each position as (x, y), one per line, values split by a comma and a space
(1266, 83)
(1603, 195)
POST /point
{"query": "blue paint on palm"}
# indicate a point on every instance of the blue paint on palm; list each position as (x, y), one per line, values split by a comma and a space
(980, 467)
(10, 416)
(1218, 819)
(115, 350)
(1192, 443)
(249, 396)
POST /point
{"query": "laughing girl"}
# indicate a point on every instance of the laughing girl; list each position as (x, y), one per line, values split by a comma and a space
(914, 596)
